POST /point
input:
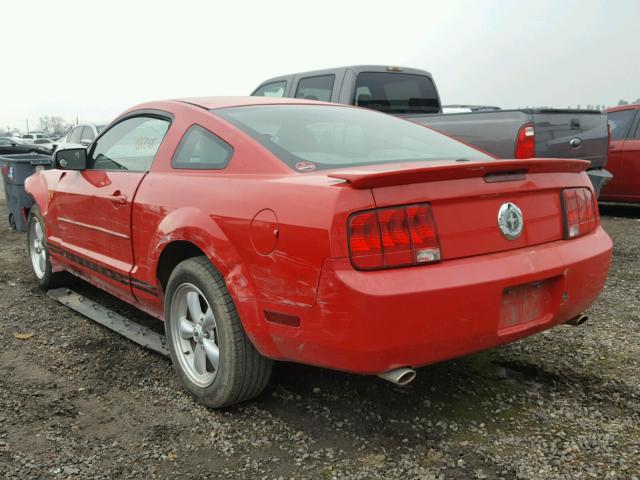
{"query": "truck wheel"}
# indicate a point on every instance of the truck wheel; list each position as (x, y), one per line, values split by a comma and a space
(39, 252)
(210, 351)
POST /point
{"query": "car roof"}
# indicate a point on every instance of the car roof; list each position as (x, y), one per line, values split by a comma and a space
(225, 102)
(631, 106)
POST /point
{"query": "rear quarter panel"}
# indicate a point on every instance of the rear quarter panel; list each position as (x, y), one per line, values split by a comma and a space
(214, 209)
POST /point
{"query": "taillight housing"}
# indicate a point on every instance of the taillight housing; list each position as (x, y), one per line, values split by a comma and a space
(393, 237)
(580, 212)
(5, 170)
(526, 142)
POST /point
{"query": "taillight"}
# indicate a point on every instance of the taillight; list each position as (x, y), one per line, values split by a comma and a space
(526, 142)
(580, 212)
(393, 237)
(5, 170)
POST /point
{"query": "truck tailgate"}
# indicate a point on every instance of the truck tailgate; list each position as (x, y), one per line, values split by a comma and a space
(572, 134)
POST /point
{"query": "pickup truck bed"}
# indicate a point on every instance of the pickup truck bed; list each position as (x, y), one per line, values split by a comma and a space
(579, 134)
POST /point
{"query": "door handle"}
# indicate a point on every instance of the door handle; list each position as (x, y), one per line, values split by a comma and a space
(119, 198)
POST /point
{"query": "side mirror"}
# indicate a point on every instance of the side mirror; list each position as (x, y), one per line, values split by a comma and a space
(70, 159)
(85, 142)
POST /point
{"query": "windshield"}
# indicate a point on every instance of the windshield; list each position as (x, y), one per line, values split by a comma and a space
(310, 137)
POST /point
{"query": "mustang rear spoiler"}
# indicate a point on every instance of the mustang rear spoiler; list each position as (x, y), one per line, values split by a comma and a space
(387, 175)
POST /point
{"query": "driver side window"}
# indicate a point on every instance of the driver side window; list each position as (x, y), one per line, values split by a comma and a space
(129, 145)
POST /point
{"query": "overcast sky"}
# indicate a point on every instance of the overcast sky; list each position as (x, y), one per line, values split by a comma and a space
(95, 59)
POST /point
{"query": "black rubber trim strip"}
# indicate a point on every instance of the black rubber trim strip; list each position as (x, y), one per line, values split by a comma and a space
(118, 277)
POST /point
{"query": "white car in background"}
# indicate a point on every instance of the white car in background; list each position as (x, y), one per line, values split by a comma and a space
(79, 136)
(30, 138)
(43, 143)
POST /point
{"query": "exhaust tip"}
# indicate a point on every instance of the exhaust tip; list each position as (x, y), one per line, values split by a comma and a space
(407, 377)
(577, 321)
(399, 376)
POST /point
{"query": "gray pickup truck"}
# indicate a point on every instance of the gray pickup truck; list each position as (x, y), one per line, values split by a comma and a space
(411, 93)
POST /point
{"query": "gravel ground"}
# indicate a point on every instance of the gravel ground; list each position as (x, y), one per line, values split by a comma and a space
(77, 401)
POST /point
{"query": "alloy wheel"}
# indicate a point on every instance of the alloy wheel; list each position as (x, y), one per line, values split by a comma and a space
(37, 248)
(194, 335)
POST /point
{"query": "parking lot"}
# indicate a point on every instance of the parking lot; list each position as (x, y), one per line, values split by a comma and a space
(78, 401)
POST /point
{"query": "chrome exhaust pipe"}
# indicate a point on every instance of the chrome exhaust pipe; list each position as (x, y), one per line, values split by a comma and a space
(399, 376)
(577, 321)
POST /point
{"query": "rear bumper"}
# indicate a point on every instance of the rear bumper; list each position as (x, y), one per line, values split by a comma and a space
(371, 322)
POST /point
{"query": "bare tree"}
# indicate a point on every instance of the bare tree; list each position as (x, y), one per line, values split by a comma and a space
(53, 125)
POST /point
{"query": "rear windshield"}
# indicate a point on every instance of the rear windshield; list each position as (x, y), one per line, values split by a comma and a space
(310, 137)
(396, 93)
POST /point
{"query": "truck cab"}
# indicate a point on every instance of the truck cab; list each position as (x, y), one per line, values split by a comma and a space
(392, 90)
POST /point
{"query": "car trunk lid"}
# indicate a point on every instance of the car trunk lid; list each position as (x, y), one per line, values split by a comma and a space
(466, 198)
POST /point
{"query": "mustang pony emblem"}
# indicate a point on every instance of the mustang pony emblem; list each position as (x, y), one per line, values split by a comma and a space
(510, 220)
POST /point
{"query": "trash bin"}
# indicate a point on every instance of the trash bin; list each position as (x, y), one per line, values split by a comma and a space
(15, 170)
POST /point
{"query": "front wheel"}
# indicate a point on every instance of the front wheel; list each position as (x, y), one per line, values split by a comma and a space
(210, 351)
(38, 251)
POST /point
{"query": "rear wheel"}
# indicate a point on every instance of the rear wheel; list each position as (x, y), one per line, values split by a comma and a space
(39, 253)
(210, 351)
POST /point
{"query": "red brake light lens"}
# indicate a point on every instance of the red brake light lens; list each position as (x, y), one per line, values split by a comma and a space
(393, 237)
(5, 170)
(526, 142)
(580, 212)
(364, 240)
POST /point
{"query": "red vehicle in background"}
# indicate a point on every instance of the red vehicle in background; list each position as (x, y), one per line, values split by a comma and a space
(281, 229)
(624, 155)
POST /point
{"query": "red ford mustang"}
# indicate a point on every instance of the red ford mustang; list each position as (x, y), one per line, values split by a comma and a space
(278, 229)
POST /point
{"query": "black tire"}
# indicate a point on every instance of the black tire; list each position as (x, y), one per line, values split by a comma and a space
(242, 372)
(49, 279)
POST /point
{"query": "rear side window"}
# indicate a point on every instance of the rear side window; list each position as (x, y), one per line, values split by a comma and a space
(87, 134)
(200, 149)
(636, 136)
(274, 89)
(396, 93)
(619, 123)
(316, 88)
(76, 133)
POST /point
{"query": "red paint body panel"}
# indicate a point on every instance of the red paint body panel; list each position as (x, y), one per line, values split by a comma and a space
(370, 322)
(279, 238)
(624, 165)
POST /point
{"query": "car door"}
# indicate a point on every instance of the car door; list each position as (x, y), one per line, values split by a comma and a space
(620, 122)
(92, 208)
